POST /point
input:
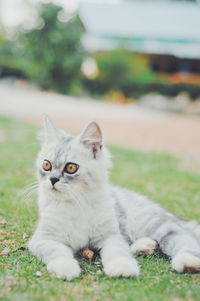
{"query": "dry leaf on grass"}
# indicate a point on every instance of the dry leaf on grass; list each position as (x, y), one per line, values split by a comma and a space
(3, 222)
(9, 241)
(3, 232)
(38, 274)
(87, 253)
(5, 252)
(10, 283)
(24, 236)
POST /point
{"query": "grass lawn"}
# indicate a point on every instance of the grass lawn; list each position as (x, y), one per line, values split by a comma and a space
(23, 277)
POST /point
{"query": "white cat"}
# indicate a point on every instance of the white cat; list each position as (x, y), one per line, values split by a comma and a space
(78, 208)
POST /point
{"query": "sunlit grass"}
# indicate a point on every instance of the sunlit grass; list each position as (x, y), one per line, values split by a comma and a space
(156, 175)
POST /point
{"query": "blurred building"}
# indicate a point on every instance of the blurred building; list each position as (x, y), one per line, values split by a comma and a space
(167, 32)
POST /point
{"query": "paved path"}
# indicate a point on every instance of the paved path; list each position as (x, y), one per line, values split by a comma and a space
(125, 125)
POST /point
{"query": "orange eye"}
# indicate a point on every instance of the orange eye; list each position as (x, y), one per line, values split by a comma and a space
(71, 168)
(46, 165)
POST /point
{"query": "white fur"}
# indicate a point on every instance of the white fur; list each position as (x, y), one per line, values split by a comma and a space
(122, 266)
(185, 262)
(144, 245)
(63, 268)
(84, 210)
(79, 212)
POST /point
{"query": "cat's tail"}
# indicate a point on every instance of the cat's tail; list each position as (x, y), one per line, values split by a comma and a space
(193, 227)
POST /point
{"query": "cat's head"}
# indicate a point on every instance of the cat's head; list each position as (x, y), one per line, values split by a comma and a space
(69, 166)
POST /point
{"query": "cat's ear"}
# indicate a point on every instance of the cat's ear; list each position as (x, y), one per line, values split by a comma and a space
(92, 137)
(50, 133)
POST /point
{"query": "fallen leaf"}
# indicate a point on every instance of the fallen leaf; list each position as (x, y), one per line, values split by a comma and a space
(24, 236)
(195, 276)
(3, 222)
(38, 274)
(9, 241)
(2, 265)
(10, 283)
(5, 252)
(87, 253)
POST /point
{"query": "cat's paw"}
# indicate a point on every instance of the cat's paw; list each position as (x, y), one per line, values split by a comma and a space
(144, 245)
(67, 269)
(186, 263)
(122, 266)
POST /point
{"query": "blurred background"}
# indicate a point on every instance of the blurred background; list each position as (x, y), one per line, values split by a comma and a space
(134, 66)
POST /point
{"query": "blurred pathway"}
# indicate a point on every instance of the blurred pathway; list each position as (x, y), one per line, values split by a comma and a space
(124, 125)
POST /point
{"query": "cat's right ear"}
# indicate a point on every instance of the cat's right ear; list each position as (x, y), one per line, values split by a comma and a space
(50, 133)
(91, 137)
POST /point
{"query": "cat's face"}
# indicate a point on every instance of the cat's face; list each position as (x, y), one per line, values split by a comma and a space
(70, 166)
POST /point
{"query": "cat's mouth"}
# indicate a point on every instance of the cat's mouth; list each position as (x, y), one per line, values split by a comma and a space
(54, 189)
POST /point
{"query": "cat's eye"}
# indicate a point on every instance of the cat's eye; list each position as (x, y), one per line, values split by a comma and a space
(71, 168)
(46, 165)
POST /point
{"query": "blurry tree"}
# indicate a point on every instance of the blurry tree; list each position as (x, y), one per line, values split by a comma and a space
(119, 68)
(51, 54)
(9, 63)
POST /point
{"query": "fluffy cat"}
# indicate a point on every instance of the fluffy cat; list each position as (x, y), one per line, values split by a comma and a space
(78, 208)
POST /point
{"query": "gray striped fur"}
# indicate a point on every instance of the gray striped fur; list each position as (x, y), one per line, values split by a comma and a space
(144, 218)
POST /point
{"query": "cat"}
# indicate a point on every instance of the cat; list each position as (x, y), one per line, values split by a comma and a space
(79, 208)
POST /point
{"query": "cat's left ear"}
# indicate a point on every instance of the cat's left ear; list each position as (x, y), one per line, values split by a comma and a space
(92, 137)
(50, 133)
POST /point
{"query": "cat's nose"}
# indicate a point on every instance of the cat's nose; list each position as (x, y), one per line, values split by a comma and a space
(54, 180)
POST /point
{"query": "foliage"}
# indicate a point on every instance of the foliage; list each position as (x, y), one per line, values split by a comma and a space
(134, 91)
(114, 68)
(52, 52)
(51, 55)
(119, 69)
(166, 89)
(156, 175)
(9, 64)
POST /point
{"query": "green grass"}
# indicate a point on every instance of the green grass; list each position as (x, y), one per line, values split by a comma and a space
(156, 175)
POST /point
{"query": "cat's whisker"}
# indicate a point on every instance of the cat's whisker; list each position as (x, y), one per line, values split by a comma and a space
(28, 192)
(30, 186)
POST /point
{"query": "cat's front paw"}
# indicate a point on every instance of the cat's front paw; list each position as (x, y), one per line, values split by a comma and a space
(144, 245)
(122, 266)
(186, 263)
(67, 269)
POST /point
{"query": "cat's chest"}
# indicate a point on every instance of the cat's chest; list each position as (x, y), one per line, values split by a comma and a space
(77, 230)
(76, 227)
